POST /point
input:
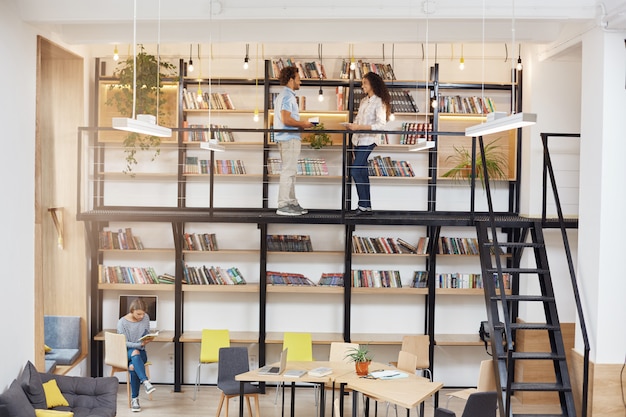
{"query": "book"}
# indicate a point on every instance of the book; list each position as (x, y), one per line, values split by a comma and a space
(320, 372)
(389, 374)
(294, 373)
(150, 335)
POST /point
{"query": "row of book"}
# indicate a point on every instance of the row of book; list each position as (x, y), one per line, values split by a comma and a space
(200, 242)
(417, 131)
(214, 275)
(205, 101)
(207, 132)
(122, 239)
(289, 243)
(466, 105)
(401, 100)
(314, 69)
(287, 278)
(375, 279)
(194, 165)
(458, 246)
(306, 166)
(127, 275)
(380, 166)
(387, 245)
(300, 100)
(463, 280)
(361, 68)
(331, 279)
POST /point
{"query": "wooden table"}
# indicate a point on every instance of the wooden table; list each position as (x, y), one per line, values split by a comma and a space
(339, 369)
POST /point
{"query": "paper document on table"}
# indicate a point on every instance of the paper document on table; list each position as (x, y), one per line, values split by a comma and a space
(389, 374)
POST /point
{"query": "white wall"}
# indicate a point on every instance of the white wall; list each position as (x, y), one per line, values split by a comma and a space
(17, 103)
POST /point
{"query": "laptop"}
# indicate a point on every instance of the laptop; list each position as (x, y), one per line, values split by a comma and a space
(275, 370)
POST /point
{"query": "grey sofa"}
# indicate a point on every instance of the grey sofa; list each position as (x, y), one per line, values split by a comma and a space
(87, 397)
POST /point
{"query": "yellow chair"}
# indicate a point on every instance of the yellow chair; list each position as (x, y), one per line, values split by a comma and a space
(300, 347)
(212, 341)
(486, 382)
(116, 356)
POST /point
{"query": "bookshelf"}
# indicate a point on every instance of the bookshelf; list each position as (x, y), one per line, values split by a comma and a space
(240, 210)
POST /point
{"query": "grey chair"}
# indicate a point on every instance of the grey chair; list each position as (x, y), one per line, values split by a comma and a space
(232, 362)
(479, 404)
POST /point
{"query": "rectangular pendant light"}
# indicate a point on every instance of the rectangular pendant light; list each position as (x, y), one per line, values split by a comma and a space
(144, 124)
(502, 124)
(422, 146)
(212, 145)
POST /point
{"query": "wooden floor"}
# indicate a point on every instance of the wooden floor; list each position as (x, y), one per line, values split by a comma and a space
(167, 403)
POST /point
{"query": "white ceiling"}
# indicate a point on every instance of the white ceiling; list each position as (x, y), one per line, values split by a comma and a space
(541, 21)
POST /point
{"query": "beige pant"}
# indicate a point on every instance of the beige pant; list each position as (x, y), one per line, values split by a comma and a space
(289, 154)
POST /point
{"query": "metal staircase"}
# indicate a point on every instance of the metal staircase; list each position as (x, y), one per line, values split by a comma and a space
(525, 235)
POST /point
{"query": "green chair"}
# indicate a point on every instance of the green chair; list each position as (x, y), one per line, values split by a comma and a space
(212, 341)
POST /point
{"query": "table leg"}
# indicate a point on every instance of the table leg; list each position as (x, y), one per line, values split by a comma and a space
(355, 403)
(241, 397)
(323, 399)
(293, 399)
(341, 394)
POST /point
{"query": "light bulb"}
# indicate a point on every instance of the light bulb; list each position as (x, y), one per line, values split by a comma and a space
(434, 102)
(199, 95)
(190, 66)
(116, 54)
(392, 117)
(245, 63)
(352, 65)
(462, 63)
(320, 97)
(256, 115)
(519, 63)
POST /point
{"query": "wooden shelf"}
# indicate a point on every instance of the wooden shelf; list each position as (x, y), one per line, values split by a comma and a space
(225, 175)
(409, 179)
(458, 340)
(317, 252)
(380, 291)
(394, 147)
(164, 335)
(137, 176)
(202, 111)
(317, 338)
(195, 336)
(308, 177)
(136, 287)
(304, 289)
(377, 338)
(236, 144)
(222, 252)
(401, 255)
(147, 250)
(463, 291)
(240, 288)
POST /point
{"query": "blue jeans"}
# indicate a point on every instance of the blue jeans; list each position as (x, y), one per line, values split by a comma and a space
(138, 374)
(360, 175)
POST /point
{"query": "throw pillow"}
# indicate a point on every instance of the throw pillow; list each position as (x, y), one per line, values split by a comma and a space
(32, 386)
(47, 348)
(16, 401)
(53, 413)
(54, 398)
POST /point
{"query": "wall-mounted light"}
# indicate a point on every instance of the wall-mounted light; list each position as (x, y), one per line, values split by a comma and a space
(256, 115)
(199, 94)
(190, 65)
(351, 53)
(247, 58)
(116, 54)
(462, 60)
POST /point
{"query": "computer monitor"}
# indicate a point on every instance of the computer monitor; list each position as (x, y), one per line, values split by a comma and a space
(151, 305)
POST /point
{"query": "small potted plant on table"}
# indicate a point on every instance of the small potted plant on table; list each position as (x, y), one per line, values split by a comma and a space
(361, 358)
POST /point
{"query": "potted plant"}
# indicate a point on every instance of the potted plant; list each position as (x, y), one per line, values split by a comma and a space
(146, 101)
(318, 139)
(361, 358)
(496, 161)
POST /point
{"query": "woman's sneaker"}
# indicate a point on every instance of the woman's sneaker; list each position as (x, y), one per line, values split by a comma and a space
(289, 211)
(149, 387)
(134, 405)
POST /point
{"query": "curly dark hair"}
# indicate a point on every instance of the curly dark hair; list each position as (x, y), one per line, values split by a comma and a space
(380, 89)
(287, 74)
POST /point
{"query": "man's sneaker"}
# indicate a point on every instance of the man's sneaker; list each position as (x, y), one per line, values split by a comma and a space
(289, 211)
(134, 405)
(299, 207)
(149, 387)
(363, 210)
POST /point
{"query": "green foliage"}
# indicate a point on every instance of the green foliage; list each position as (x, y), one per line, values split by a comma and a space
(146, 99)
(360, 354)
(318, 139)
(496, 161)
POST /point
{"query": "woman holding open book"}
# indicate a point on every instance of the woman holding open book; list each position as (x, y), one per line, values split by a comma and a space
(374, 111)
(135, 325)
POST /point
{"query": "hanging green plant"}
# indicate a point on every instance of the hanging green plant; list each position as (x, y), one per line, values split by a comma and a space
(146, 101)
(318, 139)
(496, 161)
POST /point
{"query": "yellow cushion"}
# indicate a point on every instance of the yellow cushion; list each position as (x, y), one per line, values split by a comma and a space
(54, 398)
(53, 413)
(47, 348)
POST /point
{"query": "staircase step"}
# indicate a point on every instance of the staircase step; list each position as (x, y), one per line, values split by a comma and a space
(524, 298)
(534, 356)
(520, 270)
(539, 415)
(530, 326)
(539, 386)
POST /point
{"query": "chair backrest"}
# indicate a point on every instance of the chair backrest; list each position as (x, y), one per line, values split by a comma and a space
(444, 412)
(339, 350)
(232, 362)
(212, 341)
(486, 377)
(419, 346)
(115, 351)
(407, 362)
(481, 404)
(300, 346)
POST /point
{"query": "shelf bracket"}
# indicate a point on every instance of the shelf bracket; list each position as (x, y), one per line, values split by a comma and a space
(57, 217)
